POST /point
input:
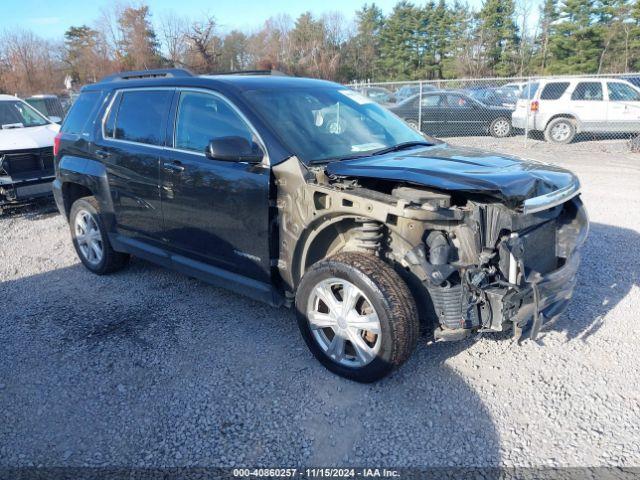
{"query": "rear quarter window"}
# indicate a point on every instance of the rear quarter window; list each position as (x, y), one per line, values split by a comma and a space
(553, 90)
(79, 118)
(141, 116)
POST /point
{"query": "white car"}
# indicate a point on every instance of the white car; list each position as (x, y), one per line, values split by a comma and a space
(26, 151)
(562, 108)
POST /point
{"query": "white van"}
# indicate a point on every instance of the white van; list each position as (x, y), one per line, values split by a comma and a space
(562, 108)
(26, 151)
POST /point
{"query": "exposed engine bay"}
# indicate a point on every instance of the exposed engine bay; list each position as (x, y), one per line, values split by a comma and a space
(475, 263)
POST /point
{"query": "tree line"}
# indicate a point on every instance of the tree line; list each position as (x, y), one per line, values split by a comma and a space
(438, 39)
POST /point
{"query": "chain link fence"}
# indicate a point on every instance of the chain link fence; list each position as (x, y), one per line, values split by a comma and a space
(601, 111)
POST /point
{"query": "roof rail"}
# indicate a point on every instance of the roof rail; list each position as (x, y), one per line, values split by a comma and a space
(139, 74)
(254, 72)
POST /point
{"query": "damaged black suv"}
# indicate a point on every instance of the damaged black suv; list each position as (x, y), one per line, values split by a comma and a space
(304, 193)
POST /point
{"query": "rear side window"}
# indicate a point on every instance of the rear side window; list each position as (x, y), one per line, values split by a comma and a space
(79, 117)
(553, 90)
(590, 91)
(140, 116)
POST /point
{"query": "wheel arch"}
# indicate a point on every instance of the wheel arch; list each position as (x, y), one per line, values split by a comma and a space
(79, 177)
(570, 116)
(329, 236)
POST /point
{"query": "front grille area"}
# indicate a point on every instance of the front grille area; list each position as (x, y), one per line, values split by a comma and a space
(25, 163)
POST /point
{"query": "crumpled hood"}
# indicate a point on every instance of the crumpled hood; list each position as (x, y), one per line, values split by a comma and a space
(453, 168)
(26, 138)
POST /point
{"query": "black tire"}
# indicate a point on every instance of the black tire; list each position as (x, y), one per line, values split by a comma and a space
(389, 296)
(111, 260)
(500, 127)
(565, 123)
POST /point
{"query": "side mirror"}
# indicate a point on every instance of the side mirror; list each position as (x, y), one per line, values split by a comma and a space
(234, 149)
(55, 119)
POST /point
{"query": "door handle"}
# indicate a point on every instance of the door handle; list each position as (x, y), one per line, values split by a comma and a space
(102, 154)
(174, 166)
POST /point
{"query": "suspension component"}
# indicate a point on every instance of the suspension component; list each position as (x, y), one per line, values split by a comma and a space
(368, 234)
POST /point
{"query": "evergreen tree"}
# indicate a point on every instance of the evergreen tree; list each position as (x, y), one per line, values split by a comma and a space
(364, 48)
(576, 44)
(548, 15)
(400, 51)
(498, 36)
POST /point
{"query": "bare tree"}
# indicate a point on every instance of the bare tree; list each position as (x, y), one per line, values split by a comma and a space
(173, 37)
(202, 45)
(29, 64)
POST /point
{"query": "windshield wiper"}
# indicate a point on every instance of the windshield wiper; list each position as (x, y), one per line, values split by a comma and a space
(382, 151)
(402, 146)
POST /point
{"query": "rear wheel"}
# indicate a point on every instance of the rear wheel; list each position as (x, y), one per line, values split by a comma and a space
(500, 127)
(560, 130)
(357, 316)
(90, 238)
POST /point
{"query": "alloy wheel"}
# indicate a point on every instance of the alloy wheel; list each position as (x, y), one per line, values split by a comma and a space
(88, 237)
(501, 128)
(344, 323)
(561, 131)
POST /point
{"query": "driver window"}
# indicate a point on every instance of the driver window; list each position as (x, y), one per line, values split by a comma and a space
(203, 117)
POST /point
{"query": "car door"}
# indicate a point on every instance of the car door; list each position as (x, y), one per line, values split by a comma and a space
(623, 114)
(214, 211)
(589, 106)
(464, 115)
(132, 138)
(433, 114)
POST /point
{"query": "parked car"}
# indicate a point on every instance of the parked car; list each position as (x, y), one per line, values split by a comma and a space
(515, 87)
(447, 112)
(562, 108)
(492, 96)
(407, 91)
(26, 152)
(49, 105)
(304, 193)
(379, 95)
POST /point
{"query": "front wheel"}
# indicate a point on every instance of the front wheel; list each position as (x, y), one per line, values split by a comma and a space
(357, 316)
(500, 128)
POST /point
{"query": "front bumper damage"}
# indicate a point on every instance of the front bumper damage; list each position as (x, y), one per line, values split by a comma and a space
(521, 279)
(25, 175)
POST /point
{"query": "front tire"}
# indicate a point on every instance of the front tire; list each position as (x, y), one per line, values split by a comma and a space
(357, 316)
(90, 238)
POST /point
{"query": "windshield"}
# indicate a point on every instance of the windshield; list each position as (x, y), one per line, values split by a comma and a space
(39, 104)
(324, 124)
(17, 114)
(529, 91)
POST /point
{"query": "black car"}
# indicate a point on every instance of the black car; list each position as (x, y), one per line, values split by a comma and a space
(299, 193)
(379, 95)
(407, 91)
(494, 96)
(451, 113)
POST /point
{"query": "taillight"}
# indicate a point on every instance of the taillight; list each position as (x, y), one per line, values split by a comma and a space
(56, 144)
(534, 106)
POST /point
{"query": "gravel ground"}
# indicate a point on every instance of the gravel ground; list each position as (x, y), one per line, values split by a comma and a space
(150, 368)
